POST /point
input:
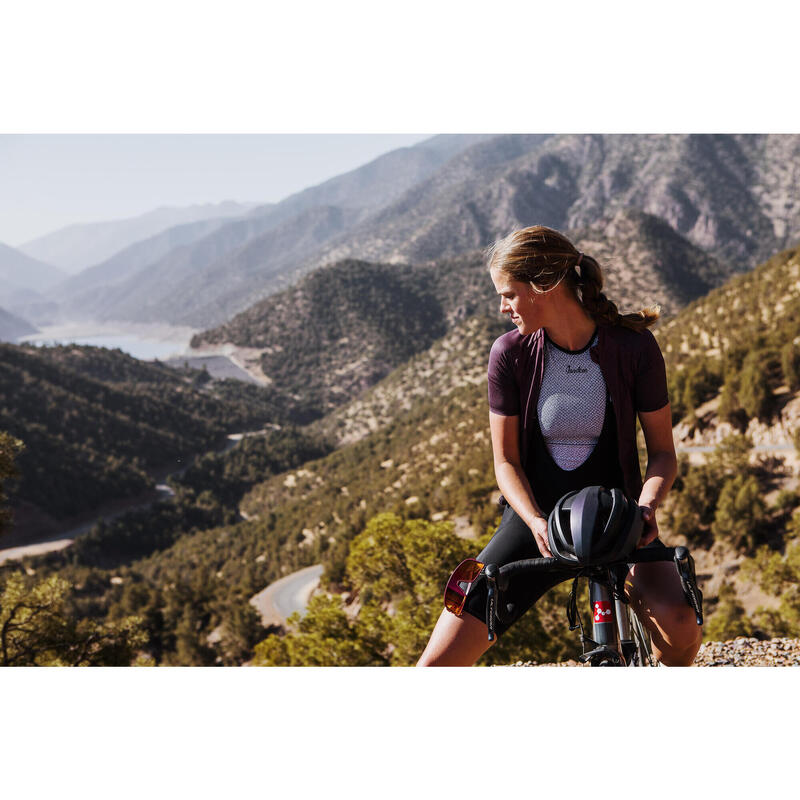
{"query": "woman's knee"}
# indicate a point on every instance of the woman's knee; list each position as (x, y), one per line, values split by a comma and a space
(455, 642)
(680, 635)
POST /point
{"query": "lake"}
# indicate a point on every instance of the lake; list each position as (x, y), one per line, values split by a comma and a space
(142, 341)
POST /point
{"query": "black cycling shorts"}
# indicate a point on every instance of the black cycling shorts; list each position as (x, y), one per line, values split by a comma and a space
(513, 541)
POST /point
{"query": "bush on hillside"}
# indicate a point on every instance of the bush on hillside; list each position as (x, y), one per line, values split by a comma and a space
(790, 365)
(754, 394)
(778, 574)
(740, 512)
(729, 620)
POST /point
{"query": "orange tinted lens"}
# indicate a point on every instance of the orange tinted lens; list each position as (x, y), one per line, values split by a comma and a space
(467, 571)
(454, 601)
(458, 584)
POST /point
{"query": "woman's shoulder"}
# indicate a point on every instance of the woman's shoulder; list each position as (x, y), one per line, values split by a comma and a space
(630, 340)
(508, 342)
(514, 343)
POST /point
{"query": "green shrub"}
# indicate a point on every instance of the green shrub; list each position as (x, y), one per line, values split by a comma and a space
(790, 365)
(754, 394)
(729, 620)
(740, 512)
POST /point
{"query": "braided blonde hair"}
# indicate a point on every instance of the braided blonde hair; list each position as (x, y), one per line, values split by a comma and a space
(543, 257)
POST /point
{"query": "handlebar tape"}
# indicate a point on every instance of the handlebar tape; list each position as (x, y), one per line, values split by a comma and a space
(641, 556)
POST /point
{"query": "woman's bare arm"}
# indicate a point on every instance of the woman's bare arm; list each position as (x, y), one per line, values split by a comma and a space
(511, 479)
(662, 465)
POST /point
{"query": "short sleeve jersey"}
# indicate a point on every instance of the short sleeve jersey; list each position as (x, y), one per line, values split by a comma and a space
(632, 366)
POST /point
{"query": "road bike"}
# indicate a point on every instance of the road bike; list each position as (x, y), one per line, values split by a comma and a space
(618, 636)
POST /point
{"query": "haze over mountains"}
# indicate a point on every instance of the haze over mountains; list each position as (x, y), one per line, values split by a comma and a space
(20, 272)
(79, 246)
(157, 274)
(730, 196)
(12, 327)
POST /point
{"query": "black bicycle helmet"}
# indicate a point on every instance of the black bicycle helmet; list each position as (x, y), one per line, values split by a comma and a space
(593, 526)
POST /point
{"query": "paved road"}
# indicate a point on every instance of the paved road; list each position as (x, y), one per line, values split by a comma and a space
(286, 595)
(759, 448)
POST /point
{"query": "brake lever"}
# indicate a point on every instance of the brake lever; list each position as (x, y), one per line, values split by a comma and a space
(490, 572)
(685, 566)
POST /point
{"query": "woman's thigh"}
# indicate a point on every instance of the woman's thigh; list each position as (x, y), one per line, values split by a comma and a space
(657, 596)
(512, 541)
(462, 640)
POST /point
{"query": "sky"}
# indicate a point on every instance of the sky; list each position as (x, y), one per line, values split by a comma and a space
(49, 181)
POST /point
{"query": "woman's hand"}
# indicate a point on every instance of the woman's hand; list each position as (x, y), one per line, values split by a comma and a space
(650, 528)
(538, 526)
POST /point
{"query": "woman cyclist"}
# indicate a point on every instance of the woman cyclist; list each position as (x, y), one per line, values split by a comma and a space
(565, 388)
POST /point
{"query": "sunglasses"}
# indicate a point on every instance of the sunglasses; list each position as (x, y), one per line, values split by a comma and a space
(464, 575)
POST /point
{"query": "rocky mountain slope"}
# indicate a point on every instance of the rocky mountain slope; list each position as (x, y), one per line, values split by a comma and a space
(203, 280)
(746, 332)
(344, 327)
(729, 195)
(89, 287)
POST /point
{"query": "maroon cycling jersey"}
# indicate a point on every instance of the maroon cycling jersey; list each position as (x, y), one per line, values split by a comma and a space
(633, 370)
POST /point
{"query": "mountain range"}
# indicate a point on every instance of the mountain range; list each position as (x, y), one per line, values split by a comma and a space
(344, 326)
(154, 282)
(731, 196)
(22, 277)
(13, 327)
(79, 246)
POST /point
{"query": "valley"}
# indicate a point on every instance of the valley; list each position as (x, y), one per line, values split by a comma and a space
(359, 355)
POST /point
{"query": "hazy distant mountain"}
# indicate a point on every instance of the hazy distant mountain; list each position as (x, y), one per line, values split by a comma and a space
(385, 178)
(72, 292)
(206, 281)
(21, 276)
(12, 327)
(79, 246)
(211, 277)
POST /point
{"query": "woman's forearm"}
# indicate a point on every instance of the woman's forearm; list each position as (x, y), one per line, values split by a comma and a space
(514, 485)
(659, 477)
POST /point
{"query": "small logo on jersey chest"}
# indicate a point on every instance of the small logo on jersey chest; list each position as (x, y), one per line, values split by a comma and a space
(571, 370)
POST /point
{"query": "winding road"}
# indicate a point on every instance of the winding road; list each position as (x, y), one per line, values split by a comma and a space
(286, 595)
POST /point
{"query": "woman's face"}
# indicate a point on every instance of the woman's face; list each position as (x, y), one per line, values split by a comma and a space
(519, 301)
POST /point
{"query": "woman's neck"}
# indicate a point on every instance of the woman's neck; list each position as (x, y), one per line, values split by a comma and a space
(569, 325)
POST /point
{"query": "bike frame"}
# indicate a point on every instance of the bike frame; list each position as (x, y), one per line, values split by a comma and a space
(616, 641)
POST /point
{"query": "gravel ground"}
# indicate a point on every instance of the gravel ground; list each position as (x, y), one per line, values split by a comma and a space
(741, 652)
(746, 652)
